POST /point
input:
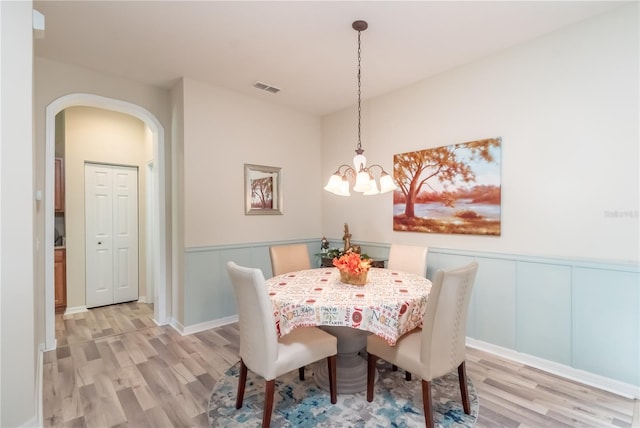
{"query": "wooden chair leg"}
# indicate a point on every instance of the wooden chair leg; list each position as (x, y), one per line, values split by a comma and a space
(242, 380)
(301, 373)
(426, 404)
(269, 388)
(371, 375)
(333, 382)
(464, 391)
(394, 368)
(407, 376)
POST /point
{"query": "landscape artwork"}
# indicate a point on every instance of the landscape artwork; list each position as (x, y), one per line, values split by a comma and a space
(263, 193)
(452, 189)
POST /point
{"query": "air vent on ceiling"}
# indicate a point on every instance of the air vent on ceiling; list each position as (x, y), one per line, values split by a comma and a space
(266, 87)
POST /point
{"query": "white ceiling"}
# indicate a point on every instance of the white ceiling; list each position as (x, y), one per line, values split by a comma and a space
(306, 48)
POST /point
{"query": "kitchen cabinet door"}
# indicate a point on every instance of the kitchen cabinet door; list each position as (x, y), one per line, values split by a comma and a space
(60, 279)
(59, 186)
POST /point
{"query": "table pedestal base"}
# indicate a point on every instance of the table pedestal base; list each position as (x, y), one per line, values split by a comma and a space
(351, 368)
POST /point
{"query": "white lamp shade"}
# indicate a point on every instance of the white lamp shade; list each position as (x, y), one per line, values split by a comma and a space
(386, 183)
(334, 183)
(359, 162)
(344, 187)
(362, 182)
(373, 189)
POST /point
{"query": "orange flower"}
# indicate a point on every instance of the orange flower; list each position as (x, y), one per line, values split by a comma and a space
(352, 262)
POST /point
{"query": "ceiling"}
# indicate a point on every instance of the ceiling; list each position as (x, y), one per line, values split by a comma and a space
(306, 48)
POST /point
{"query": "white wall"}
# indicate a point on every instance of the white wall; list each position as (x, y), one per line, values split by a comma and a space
(96, 135)
(17, 317)
(566, 106)
(223, 131)
(217, 132)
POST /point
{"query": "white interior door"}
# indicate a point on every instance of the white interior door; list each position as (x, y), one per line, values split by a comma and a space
(111, 234)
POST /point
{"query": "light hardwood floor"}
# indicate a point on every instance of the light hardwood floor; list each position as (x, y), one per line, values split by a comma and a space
(115, 367)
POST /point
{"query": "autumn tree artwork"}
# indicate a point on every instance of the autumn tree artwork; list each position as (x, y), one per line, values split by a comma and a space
(262, 193)
(452, 189)
(262, 190)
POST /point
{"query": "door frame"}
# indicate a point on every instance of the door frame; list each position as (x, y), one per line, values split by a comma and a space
(162, 300)
(150, 232)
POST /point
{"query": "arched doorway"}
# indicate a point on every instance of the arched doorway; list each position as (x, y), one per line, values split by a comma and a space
(158, 256)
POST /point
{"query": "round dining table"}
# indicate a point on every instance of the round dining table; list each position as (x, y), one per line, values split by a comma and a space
(390, 304)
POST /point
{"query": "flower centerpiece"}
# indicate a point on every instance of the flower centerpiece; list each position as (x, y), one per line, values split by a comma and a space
(353, 267)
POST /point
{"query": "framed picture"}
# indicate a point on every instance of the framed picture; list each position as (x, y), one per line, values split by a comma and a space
(449, 189)
(262, 190)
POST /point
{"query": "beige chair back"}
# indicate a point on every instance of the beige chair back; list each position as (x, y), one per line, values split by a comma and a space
(408, 258)
(445, 321)
(258, 338)
(289, 258)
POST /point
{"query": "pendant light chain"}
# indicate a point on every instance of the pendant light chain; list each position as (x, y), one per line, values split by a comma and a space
(359, 91)
(360, 174)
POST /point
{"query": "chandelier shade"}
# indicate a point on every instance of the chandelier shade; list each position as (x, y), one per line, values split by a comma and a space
(361, 175)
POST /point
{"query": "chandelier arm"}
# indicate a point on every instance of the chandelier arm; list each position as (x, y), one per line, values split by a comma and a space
(347, 172)
(378, 165)
(338, 169)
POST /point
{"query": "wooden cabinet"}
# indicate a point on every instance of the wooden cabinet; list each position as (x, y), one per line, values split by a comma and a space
(59, 185)
(60, 277)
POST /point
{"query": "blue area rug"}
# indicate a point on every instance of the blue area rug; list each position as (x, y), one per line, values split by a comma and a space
(396, 403)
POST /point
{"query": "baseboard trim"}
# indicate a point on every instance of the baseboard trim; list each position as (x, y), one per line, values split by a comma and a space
(39, 387)
(142, 299)
(158, 323)
(76, 310)
(615, 386)
(176, 325)
(196, 328)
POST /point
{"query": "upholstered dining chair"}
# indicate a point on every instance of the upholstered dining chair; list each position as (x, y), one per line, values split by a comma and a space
(437, 348)
(289, 258)
(408, 258)
(262, 351)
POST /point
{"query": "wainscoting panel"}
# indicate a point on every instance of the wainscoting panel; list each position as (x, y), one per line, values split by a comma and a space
(437, 261)
(208, 293)
(204, 293)
(544, 323)
(582, 315)
(606, 306)
(495, 302)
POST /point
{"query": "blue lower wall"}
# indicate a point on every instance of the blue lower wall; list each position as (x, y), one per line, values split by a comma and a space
(582, 314)
(208, 294)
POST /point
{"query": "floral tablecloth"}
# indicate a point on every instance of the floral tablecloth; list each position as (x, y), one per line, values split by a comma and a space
(390, 304)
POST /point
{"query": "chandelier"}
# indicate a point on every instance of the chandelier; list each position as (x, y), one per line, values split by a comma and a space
(361, 174)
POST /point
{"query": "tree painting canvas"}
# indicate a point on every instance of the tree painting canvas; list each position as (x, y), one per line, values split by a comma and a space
(450, 189)
(263, 194)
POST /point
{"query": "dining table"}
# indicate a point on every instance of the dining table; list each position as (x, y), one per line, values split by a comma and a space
(390, 304)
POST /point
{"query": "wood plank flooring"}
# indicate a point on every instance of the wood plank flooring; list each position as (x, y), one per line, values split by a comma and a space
(114, 367)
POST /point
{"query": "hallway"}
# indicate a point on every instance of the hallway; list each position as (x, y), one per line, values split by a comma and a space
(115, 366)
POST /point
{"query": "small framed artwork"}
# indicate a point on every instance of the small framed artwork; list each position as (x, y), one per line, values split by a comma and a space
(262, 189)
